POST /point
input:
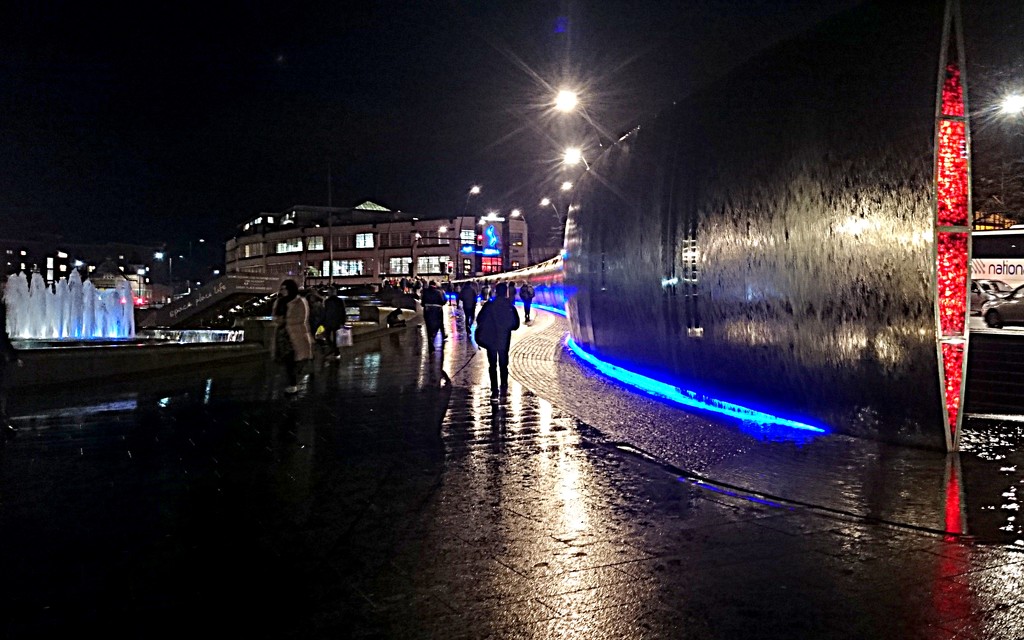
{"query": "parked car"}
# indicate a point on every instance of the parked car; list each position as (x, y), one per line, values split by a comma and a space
(1002, 311)
(983, 291)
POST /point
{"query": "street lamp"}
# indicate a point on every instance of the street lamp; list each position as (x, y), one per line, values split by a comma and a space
(566, 100)
(573, 156)
(473, 191)
(566, 186)
(1012, 104)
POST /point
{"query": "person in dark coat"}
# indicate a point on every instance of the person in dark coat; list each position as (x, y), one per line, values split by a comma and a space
(526, 295)
(8, 357)
(334, 319)
(495, 324)
(433, 302)
(467, 296)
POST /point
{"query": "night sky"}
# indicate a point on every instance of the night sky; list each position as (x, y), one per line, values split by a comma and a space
(164, 122)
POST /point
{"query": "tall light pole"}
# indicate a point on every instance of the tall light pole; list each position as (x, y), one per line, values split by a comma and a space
(473, 191)
(1011, 107)
(330, 230)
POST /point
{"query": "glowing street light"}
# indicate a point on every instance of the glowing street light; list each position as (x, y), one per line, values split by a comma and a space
(566, 100)
(566, 186)
(573, 156)
(474, 190)
(1012, 104)
(515, 213)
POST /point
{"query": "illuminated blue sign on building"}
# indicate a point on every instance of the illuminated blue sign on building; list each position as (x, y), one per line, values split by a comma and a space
(493, 239)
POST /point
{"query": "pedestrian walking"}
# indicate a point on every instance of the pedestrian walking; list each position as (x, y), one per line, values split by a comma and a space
(467, 296)
(334, 319)
(526, 295)
(293, 344)
(485, 292)
(433, 302)
(9, 356)
(495, 324)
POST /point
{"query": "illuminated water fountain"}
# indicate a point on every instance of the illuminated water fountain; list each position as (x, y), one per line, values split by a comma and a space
(70, 309)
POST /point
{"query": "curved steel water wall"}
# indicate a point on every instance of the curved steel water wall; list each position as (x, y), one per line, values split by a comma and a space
(772, 239)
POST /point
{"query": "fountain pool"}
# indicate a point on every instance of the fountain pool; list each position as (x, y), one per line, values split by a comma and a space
(69, 310)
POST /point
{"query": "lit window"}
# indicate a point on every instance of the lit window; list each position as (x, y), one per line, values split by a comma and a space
(399, 266)
(364, 241)
(61, 254)
(290, 246)
(315, 243)
(468, 236)
(49, 263)
(345, 267)
(270, 219)
(24, 253)
(63, 268)
(431, 264)
(49, 275)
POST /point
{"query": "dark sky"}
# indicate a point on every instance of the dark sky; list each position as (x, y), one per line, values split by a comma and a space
(169, 121)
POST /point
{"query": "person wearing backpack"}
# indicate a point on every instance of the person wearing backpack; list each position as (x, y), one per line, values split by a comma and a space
(494, 326)
(526, 295)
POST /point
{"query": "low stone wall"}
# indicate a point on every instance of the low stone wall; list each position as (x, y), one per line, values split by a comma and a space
(78, 364)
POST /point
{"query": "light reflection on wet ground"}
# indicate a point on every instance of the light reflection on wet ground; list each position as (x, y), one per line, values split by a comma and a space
(381, 503)
(859, 477)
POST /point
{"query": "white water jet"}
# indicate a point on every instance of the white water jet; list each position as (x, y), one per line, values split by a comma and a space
(70, 309)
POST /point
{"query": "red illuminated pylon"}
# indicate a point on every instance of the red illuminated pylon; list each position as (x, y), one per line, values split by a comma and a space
(953, 233)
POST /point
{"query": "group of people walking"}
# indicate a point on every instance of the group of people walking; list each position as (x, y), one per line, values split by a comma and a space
(297, 318)
(297, 315)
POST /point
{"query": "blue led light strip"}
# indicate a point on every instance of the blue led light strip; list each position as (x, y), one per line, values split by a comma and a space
(682, 396)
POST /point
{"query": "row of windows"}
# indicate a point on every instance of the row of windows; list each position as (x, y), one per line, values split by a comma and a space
(348, 241)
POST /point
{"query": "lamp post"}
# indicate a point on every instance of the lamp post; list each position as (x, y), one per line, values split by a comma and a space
(573, 156)
(473, 191)
(1011, 107)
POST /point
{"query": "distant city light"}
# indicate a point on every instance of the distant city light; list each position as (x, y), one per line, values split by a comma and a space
(566, 100)
(1012, 104)
(159, 255)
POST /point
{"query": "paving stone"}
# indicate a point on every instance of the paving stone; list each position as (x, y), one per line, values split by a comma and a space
(379, 503)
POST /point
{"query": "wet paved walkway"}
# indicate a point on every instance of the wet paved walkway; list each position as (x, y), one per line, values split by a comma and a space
(383, 503)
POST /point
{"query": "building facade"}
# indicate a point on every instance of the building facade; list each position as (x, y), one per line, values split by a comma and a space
(54, 258)
(368, 243)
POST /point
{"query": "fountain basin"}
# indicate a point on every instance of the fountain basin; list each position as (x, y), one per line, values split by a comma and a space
(49, 362)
